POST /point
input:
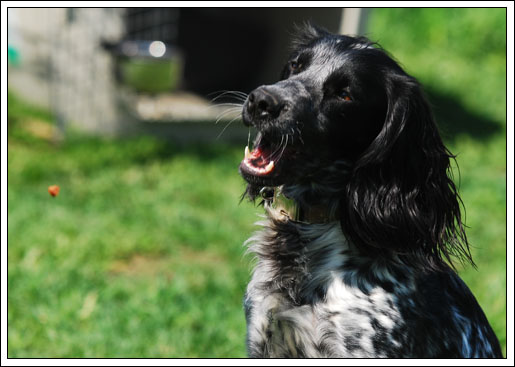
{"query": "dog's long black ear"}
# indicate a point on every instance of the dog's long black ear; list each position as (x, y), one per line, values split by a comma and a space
(400, 199)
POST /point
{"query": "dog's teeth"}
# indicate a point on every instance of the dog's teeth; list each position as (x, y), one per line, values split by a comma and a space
(247, 152)
(269, 167)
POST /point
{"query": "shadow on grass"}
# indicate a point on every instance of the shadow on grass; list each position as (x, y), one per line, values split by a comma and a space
(454, 119)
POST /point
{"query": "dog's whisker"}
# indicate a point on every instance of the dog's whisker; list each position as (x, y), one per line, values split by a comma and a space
(235, 92)
(228, 92)
(232, 109)
(225, 128)
(224, 113)
(227, 112)
(272, 155)
(285, 145)
(228, 104)
(228, 108)
(239, 96)
(222, 105)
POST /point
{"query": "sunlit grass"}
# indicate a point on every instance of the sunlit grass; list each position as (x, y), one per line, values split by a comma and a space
(140, 254)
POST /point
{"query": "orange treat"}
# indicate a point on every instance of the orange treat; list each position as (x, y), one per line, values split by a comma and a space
(53, 190)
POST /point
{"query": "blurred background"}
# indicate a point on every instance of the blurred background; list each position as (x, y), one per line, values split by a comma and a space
(134, 113)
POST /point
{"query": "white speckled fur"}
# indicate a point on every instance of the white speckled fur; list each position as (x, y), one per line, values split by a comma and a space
(328, 321)
(317, 304)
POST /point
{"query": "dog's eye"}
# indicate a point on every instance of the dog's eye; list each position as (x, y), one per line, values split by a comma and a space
(344, 95)
(295, 66)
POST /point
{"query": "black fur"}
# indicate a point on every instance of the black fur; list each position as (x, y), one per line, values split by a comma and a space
(350, 132)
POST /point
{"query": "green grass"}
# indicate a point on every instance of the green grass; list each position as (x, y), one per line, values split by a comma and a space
(460, 52)
(140, 254)
(119, 265)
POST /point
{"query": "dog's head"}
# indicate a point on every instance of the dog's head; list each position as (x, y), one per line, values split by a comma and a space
(347, 127)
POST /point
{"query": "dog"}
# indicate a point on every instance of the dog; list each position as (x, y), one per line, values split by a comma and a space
(354, 258)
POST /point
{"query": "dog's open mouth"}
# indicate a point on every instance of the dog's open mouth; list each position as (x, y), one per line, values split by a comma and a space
(258, 162)
(265, 161)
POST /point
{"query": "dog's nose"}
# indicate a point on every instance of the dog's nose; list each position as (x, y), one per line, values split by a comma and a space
(262, 102)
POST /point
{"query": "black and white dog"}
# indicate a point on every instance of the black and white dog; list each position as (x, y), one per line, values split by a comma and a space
(362, 217)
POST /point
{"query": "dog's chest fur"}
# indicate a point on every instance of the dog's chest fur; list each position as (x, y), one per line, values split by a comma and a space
(311, 295)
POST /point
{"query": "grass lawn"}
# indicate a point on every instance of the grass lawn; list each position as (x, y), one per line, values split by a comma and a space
(140, 254)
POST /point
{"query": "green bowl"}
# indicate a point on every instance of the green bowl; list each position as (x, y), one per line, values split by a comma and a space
(152, 75)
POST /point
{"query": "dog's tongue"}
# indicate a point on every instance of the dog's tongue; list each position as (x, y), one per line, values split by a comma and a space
(257, 162)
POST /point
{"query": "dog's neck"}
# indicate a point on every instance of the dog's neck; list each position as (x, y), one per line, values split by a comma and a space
(291, 208)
